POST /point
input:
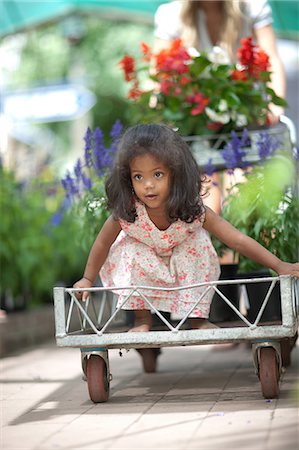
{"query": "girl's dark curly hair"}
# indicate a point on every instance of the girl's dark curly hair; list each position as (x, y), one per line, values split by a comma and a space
(163, 143)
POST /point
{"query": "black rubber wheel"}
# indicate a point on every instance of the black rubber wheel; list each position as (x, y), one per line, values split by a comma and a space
(97, 379)
(269, 372)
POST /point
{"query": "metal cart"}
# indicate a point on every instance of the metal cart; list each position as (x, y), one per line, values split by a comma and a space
(97, 325)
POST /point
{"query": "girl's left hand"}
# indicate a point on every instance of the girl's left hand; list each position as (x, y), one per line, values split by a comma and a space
(285, 268)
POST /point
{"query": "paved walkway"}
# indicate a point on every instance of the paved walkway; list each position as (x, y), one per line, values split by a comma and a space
(201, 398)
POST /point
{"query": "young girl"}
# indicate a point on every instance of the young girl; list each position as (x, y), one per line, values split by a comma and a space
(158, 233)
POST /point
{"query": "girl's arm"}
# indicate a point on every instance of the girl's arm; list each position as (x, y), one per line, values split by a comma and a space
(245, 245)
(99, 252)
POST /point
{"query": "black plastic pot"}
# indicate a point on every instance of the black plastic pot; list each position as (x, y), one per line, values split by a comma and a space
(256, 294)
(220, 311)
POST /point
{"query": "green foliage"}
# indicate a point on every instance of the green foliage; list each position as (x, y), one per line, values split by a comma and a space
(266, 208)
(91, 213)
(34, 254)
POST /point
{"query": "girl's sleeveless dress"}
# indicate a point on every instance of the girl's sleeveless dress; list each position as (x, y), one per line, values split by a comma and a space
(143, 255)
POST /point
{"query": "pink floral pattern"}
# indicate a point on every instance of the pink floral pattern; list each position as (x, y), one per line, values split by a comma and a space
(143, 255)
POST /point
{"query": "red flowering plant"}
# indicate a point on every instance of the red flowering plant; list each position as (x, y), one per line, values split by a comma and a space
(201, 94)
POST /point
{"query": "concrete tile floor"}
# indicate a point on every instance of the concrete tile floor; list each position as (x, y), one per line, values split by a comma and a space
(200, 398)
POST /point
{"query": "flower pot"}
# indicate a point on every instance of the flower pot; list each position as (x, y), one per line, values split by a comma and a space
(220, 311)
(256, 294)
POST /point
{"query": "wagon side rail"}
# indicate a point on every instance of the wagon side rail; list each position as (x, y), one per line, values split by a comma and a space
(94, 328)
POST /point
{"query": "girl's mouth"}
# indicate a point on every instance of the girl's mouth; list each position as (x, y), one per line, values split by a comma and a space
(151, 196)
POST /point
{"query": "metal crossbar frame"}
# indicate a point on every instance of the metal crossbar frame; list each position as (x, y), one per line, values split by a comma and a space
(91, 333)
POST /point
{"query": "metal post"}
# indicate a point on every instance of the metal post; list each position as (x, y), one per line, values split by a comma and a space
(59, 310)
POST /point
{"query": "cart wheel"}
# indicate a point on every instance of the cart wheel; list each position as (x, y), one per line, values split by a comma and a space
(268, 372)
(97, 379)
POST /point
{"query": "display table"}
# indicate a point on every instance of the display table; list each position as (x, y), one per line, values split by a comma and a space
(207, 148)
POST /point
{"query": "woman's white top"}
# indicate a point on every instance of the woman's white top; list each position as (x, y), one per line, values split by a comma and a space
(168, 24)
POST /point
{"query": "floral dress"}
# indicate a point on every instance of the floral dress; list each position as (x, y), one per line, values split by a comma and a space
(143, 255)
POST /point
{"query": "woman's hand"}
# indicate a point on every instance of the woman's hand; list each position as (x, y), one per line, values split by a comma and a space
(285, 268)
(83, 284)
(274, 114)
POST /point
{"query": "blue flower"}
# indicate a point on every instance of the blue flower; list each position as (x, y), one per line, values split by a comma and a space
(87, 183)
(234, 152)
(99, 151)
(209, 168)
(88, 147)
(70, 186)
(267, 145)
(56, 218)
(78, 169)
(116, 130)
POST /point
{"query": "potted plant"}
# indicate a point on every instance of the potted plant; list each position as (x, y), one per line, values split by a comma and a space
(200, 93)
(265, 207)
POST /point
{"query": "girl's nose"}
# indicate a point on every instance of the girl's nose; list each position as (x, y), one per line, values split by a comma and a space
(148, 183)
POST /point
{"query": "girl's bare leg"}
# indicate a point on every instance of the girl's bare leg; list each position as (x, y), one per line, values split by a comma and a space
(202, 324)
(143, 321)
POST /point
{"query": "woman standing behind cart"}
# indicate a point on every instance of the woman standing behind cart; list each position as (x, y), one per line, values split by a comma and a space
(205, 24)
(158, 233)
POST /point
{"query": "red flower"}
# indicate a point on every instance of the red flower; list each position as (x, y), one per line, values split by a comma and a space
(239, 75)
(173, 59)
(184, 80)
(199, 101)
(146, 51)
(214, 126)
(165, 86)
(135, 93)
(128, 66)
(261, 62)
(246, 51)
(253, 58)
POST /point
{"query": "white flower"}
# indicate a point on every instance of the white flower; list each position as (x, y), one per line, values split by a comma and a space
(193, 52)
(218, 56)
(222, 105)
(217, 117)
(241, 120)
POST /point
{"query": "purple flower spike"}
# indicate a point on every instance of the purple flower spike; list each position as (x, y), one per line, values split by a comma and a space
(56, 218)
(233, 152)
(99, 151)
(87, 183)
(88, 147)
(116, 130)
(209, 168)
(70, 185)
(267, 145)
(78, 169)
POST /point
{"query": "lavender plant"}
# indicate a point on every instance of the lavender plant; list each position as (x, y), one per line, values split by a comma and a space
(84, 186)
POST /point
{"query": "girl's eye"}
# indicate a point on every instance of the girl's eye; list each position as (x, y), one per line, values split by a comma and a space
(159, 174)
(137, 177)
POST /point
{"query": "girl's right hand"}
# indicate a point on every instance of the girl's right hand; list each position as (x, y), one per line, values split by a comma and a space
(83, 283)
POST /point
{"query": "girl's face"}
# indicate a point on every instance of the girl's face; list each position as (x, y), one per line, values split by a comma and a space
(151, 181)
